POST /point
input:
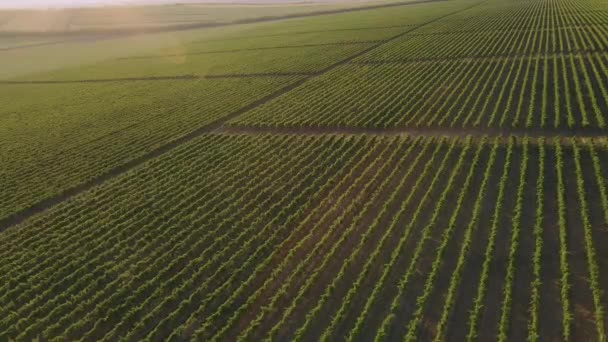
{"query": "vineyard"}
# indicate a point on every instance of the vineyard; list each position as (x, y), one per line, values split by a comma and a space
(537, 65)
(420, 171)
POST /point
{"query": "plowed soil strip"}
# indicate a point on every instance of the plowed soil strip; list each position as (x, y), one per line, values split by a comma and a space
(507, 132)
(508, 30)
(256, 49)
(263, 74)
(488, 58)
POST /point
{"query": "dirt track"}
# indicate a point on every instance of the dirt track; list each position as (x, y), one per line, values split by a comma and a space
(491, 132)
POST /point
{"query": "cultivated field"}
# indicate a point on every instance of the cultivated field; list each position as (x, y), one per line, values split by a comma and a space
(129, 16)
(427, 171)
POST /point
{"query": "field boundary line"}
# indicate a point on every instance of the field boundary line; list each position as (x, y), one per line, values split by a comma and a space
(490, 132)
(261, 74)
(255, 49)
(295, 33)
(27, 46)
(106, 80)
(165, 78)
(489, 58)
(49, 202)
(508, 30)
(73, 38)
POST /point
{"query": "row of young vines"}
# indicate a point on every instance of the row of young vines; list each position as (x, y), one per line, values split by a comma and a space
(313, 238)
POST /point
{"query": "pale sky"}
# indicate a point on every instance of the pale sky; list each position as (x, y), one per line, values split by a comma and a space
(85, 3)
(74, 3)
(51, 3)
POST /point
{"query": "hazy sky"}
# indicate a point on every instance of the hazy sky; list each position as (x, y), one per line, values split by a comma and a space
(82, 3)
(71, 3)
(49, 3)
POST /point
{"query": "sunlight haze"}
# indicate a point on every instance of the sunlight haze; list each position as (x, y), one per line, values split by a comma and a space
(14, 4)
(71, 3)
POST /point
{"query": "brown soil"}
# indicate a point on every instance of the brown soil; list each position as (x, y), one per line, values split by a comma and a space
(333, 267)
(457, 328)
(303, 251)
(505, 134)
(487, 327)
(597, 219)
(550, 308)
(583, 325)
(433, 309)
(414, 288)
(344, 285)
(519, 314)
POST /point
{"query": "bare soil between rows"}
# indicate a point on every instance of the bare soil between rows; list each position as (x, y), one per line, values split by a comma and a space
(549, 134)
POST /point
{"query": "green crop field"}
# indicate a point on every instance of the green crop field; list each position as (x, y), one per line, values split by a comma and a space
(368, 171)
